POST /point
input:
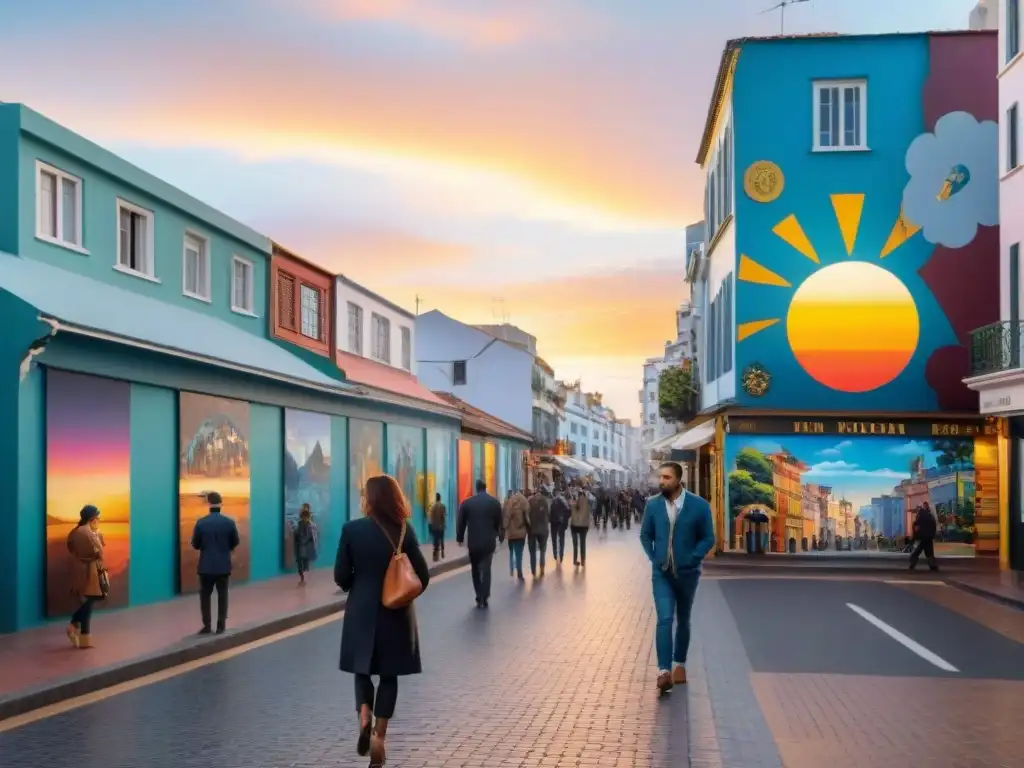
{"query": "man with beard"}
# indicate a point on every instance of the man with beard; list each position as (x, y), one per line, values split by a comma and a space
(676, 534)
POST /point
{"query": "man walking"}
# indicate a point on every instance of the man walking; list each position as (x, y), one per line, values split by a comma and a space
(516, 526)
(540, 508)
(579, 524)
(925, 528)
(676, 534)
(559, 519)
(478, 524)
(216, 537)
(438, 520)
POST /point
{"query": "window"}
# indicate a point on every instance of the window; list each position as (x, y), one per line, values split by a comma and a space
(573, 428)
(1012, 138)
(406, 348)
(840, 115)
(355, 329)
(242, 285)
(196, 267)
(1015, 305)
(459, 373)
(593, 451)
(58, 206)
(604, 452)
(286, 301)
(1012, 29)
(309, 311)
(652, 396)
(381, 328)
(583, 451)
(135, 240)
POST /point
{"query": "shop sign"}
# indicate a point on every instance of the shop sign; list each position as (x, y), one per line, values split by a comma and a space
(776, 425)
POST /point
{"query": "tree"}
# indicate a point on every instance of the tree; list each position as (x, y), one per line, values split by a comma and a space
(753, 461)
(745, 489)
(956, 454)
(677, 394)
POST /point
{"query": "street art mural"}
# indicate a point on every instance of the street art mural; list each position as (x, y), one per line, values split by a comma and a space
(439, 472)
(214, 456)
(823, 492)
(465, 470)
(857, 288)
(365, 457)
(88, 447)
(491, 468)
(307, 473)
(504, 474)
(407, 465)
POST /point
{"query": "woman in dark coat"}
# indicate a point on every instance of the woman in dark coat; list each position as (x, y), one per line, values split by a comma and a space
(376, 640)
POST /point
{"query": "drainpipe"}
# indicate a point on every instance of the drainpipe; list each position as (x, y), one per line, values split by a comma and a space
(37, 347)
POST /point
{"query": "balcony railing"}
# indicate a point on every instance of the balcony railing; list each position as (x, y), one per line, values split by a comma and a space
(996, 347)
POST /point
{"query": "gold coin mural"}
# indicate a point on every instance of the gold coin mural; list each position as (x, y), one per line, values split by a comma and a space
(763, 181)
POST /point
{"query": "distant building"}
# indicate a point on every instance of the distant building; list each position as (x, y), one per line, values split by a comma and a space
(985, 15)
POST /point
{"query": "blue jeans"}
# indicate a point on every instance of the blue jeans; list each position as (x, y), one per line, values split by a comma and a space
(673, 599)
(515, 555)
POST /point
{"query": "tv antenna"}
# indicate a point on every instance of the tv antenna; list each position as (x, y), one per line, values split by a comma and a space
(498, 311)
(781, 8)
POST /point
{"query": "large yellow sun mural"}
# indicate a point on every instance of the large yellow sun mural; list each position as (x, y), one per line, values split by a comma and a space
(853, 326)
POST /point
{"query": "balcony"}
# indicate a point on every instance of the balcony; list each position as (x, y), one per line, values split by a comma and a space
(996, 347)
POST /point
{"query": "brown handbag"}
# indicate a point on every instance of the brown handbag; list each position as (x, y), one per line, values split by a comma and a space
(401, 584)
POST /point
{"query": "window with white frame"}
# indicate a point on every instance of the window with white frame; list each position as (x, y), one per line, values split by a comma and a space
(1012, 137)
(58, 206)
(840, 115)
(355, 329)
(135, 239)
(242, 285)
(195, 267)
(309, 311)
(381, 329)
(406, 348)
(459, 373)
(1012, 31)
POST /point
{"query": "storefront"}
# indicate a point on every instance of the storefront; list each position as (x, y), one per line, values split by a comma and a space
(845, 484)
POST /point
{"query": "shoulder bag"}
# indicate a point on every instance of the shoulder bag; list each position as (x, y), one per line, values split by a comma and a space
(401, 584)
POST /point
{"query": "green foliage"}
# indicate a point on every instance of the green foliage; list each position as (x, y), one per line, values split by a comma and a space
(754, 462)
(745, 489)
(677, 394)
(954, 454)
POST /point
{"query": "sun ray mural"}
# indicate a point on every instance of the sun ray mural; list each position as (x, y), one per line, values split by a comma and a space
(853, 326)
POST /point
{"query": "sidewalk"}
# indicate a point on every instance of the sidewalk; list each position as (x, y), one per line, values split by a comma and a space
(1006, 587)
(39, 667)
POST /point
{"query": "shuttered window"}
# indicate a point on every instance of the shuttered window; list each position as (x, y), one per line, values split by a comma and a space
(286, 301)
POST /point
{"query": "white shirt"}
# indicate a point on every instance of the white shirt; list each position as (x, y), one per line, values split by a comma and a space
(673, 508)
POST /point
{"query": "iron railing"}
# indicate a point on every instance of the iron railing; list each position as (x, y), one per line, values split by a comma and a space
(996, 347)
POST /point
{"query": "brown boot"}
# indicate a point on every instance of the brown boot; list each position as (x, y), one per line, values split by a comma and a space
(378, 752)
(72, 633)
(679, 675)
(665, 682)
(85, 641)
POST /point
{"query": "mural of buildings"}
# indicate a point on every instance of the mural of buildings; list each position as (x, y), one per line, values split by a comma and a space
(307, 473)
(852, 246)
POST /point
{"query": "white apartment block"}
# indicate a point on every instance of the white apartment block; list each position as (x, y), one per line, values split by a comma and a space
(371, 327)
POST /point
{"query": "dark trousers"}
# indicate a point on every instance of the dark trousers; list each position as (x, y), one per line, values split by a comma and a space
(480, 569)
(383, 700)
(82, 617)
(538, 544)
(302, 563)
(579, 544)
(558, 543)
(207, 584)
(927, 546)
(438, 537)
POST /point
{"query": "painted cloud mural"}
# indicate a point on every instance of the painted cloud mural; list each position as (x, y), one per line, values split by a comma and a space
(954, 179)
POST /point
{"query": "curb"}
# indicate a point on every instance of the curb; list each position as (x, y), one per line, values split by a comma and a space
(1010, 602)
(188, 650)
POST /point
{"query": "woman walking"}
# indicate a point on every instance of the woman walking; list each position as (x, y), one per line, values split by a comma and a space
(376, 640)
(515, 520)
(89, 581)
(305, 542)
(579, 525)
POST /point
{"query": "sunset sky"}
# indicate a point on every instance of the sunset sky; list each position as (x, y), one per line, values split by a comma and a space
(527, 159)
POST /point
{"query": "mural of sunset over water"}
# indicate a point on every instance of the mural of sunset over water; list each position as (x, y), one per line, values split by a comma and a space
(88, 446)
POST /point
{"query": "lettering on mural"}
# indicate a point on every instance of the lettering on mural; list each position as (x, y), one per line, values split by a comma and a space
(916, 428)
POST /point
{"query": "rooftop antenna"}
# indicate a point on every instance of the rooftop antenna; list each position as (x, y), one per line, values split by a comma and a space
(781, 8)
(498, 309)
(418, 302)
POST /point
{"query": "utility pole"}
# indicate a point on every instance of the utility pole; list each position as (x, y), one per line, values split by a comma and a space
(418, 302)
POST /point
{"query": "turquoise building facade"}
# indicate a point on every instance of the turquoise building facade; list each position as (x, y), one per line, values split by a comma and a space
(137, 372)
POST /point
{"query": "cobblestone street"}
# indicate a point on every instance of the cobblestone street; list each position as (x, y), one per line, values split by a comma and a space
(559, 672)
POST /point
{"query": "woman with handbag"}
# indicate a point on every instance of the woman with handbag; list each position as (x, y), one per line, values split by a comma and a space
(89, 581)
(381, 567)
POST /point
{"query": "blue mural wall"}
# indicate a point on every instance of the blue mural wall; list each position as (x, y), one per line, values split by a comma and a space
(851, 282)
(406, 462)
(441, 473)
(504, 477)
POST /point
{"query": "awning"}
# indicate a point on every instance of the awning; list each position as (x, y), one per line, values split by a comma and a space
(607, 466)
(663, 444)
(573, 464)
(88, 307)
(696, 437)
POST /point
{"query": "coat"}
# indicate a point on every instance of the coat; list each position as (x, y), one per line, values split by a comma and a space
(305, 540)
(479, 523)
(515, 517)
(580, 517)
(376, 640)
(215, 536)
(438, 517)
(559, 514)
(540, 508)
(693, 535)
(86, 550)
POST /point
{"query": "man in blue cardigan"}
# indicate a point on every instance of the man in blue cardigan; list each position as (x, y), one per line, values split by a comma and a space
(676, 533)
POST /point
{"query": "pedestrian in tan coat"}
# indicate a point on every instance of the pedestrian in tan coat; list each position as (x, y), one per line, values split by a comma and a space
(88, 576)
(515, 520)
(579, 524)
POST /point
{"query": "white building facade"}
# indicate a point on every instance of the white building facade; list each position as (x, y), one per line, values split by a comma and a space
(985, 15)
(596, 435)
(370, 326)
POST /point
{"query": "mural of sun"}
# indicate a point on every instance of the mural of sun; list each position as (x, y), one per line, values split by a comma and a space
(853, 326)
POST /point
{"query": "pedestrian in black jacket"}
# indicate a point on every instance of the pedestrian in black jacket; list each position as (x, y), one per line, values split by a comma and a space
(560, 514)
(925, 528)
(216, 537)
(479, 526)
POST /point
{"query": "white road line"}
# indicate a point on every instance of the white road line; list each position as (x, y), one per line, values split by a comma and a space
(899, 637)
(915, 582)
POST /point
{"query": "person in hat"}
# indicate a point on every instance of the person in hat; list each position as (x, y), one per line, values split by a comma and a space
(88, 576)
(215, 536)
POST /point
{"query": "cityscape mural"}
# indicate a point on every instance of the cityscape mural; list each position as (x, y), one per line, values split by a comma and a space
(307, 472)
(465, 469)
(406, 463)
(213, 456)
(827, 492)
(365, 456)
(491, 468)
(439, 472)
(88, 447)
